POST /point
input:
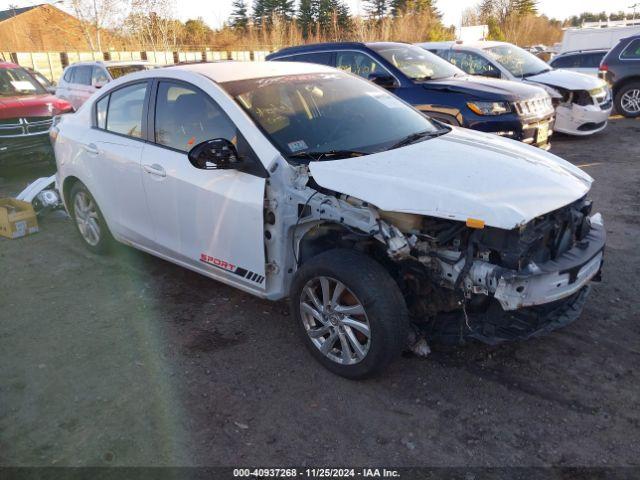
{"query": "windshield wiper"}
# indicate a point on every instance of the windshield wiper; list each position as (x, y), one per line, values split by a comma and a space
(418, 136)
(330, 154)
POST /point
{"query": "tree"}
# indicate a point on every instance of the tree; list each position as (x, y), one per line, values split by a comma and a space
(376, 9)
(332, 13)
(239, 18)
(196, 32)
(94, 16)
(525, 7)
(265, 10)
(495, 32)
(401, 7)
(307, 16)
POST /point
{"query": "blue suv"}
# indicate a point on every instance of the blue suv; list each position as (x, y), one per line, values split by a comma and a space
(439, 89)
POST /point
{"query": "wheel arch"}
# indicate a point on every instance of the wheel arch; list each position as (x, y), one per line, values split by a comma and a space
(67, 185)
(624, 82)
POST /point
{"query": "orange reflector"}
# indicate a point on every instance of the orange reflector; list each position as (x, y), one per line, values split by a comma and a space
(475, 223)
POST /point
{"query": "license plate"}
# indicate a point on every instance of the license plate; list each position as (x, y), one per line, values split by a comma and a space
(543, 133)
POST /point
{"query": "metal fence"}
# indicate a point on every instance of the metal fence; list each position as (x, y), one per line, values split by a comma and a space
(51, 64)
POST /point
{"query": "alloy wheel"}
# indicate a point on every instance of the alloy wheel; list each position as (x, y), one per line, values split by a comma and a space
(335, 320)
(86, 213)
(630, 101)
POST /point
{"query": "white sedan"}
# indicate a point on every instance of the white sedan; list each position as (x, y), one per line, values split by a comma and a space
(385, 228)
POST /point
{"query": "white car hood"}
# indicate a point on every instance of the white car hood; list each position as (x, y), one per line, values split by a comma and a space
(460, 175)
(567, 79)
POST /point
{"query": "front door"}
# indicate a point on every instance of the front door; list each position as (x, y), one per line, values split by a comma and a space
(209, 219)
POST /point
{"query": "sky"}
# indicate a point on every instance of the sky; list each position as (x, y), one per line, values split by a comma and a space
(215, 12)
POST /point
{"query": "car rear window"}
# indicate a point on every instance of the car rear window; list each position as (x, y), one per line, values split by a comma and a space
(632, 51)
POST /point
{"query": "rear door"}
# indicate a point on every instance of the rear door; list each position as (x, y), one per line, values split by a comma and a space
(209, 219)
(112, 153)
(82, 88)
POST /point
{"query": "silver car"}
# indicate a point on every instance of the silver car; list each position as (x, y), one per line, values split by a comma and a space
(80, 80)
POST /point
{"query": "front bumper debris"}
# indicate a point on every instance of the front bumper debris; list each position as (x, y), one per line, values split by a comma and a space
(558, 278)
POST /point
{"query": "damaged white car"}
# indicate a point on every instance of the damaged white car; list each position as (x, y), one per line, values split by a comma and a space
(583, 103)
(384, 228)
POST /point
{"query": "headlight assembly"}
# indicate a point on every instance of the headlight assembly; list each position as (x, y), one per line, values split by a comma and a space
(489, 108)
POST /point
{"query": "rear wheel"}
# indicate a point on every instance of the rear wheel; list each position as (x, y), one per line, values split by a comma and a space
(351, 313)
(89, 220)
(628, 100)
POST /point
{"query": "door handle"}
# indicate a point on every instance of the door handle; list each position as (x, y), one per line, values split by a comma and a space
(91, 149)
(155, 169)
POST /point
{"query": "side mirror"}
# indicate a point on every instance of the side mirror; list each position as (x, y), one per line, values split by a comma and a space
(99, 84)
(218, 153)
(382, 79)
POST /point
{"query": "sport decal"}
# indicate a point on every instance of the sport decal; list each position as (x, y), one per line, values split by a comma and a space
(230, 267)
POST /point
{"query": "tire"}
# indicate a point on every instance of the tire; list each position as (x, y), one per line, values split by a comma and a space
(627, 100)
(89, 220)
(370, 301)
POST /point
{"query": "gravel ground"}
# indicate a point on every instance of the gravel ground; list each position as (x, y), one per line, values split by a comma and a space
(129, 360)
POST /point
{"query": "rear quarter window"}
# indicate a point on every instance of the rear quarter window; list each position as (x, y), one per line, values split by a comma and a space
(631, 51)
(69, 74)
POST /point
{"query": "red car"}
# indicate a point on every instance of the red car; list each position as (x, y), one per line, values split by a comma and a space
(26, 113)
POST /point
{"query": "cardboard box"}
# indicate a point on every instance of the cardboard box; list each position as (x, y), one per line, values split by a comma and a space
(17, 218)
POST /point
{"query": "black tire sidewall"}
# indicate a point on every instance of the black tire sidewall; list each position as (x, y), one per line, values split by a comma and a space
(618, 99)
(105, 241)
(380, 296)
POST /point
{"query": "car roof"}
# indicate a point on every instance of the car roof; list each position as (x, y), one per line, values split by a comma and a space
(110, 63)
(480, 44)
(231, 71)
(311, 47)
(585, 51)
(8, 65)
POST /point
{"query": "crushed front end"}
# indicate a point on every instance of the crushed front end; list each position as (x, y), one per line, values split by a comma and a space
(468, 281)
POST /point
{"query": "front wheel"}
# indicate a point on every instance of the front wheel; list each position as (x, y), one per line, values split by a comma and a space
(628, 100)
(89, 220)
(351, 313)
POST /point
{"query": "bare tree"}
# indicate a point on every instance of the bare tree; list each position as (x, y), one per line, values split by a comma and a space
(95, 16)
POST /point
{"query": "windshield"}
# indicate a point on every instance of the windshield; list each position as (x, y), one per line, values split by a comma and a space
(518, 61)
(16, 81)
(416, 63)
(327, 112)
(120, 70)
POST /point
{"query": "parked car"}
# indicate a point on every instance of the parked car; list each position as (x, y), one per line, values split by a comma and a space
(621, 69)
(583, 103)
(26, 113)
(301, 181)
(583, 61)
(442, 91)
(80, 80)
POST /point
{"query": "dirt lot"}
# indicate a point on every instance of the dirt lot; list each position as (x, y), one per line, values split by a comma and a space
(129, 360)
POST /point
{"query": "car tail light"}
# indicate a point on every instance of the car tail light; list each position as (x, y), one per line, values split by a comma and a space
(604, 67)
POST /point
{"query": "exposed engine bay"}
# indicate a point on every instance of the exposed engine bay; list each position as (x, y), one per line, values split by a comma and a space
(462, 280)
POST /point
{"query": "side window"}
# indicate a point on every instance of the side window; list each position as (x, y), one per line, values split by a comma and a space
(473, 64)
(322, 58)
(592, 60)
(82, 75)
(124, 115)
(69, 74)
(185, 117)
(99, 76)
(358, 63)
(632, 51)
(101, 112)
(568, 61)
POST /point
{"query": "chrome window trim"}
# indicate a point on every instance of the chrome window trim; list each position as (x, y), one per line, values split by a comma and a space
(344, 50)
